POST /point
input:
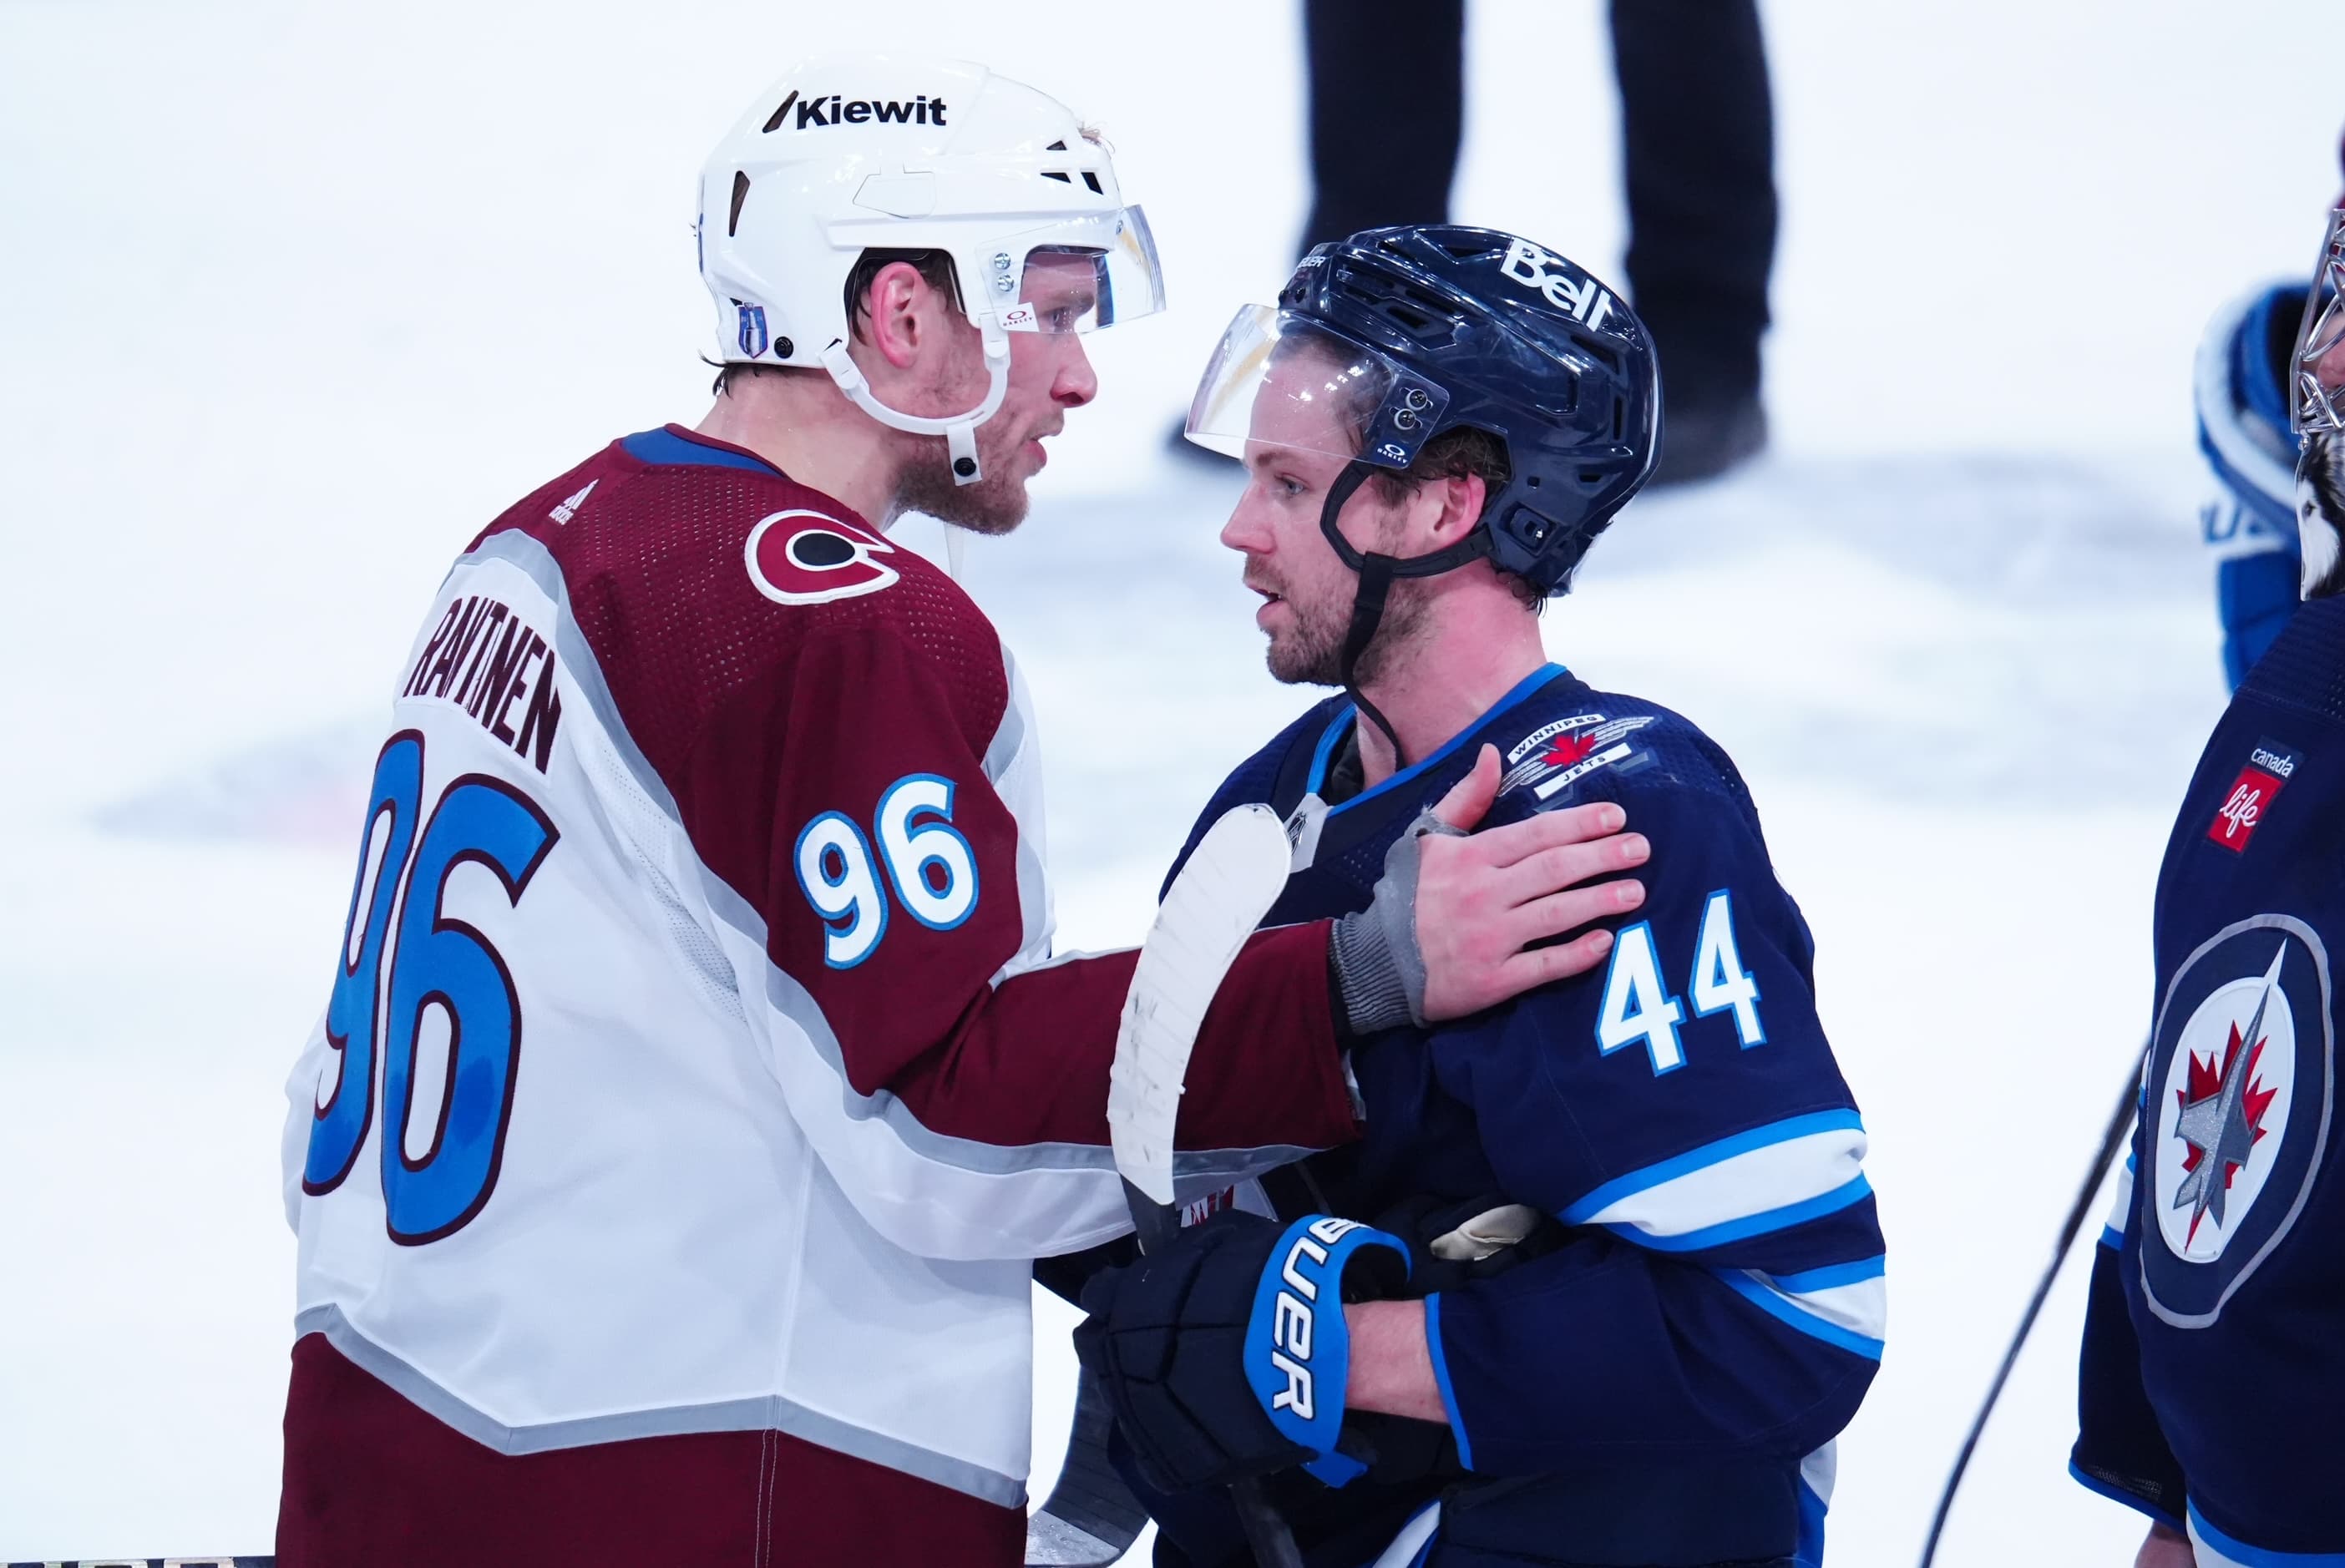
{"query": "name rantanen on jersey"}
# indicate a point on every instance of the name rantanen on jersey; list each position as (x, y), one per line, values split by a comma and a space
(482, 657)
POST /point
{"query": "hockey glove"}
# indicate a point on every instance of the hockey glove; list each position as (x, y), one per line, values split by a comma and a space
(1226, 1354)
(1378, 962)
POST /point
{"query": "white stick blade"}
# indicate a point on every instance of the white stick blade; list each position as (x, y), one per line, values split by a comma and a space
(1229, 882)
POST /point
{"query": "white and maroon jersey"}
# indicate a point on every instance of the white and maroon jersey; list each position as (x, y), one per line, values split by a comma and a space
(697, 1083)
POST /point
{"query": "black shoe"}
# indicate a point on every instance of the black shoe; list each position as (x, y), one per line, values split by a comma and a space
(1701, 443)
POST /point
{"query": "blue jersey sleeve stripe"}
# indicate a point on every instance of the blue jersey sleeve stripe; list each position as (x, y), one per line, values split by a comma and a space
(1824, 1279)
(2112, 1238)
(2095, 1485)
(1441, 1379)
(1808, 1323)
(1708, 1155)
(2204, 1535)
(1749, 1225)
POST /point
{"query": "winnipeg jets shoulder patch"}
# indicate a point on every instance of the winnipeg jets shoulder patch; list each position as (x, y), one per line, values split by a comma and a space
(2241, 1086)
(1555, 756)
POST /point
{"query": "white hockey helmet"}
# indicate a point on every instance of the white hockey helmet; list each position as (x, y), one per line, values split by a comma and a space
(899, 152)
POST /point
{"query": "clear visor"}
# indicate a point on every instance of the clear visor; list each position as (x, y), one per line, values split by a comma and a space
(1077, 276)
(2317, 371)
(1284, 380)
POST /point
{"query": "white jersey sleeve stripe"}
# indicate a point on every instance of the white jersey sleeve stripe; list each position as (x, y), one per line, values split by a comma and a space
(1786, 1166)
(1849, 1316)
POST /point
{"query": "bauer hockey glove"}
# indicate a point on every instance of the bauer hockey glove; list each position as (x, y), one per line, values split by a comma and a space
(1226, 1353)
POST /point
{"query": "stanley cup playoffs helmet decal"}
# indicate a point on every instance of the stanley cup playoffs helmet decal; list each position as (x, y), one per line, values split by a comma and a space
(2240, 1084)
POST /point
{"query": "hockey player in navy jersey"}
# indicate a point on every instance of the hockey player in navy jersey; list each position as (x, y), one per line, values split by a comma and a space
(1603, 1278)
(697, 1083)
(2214, 1348)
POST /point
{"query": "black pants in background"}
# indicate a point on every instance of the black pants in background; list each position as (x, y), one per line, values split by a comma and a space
(1388, 111)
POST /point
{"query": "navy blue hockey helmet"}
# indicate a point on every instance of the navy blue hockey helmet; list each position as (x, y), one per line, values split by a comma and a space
(1433, 327)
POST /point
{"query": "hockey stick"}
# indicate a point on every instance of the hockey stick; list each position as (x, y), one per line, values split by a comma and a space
(1231, 880)
(2112, 1140)
(1090, 1518)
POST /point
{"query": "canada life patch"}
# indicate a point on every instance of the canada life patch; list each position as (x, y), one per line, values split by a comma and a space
(2268, 767)
(2240, 1087)
(802, 557)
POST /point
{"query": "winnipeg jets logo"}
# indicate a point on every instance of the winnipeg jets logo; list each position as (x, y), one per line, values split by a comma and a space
(1554, 757)
(2220, 1111)
(808, 558)
(2237, 1088)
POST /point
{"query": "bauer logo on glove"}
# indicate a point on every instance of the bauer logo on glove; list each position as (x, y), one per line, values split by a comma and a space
(1299, 1311)
(1226, 1354)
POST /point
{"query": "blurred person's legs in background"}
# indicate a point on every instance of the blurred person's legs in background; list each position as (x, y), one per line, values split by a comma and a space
(1697, 133)
(1388, 113)
(1388, 105)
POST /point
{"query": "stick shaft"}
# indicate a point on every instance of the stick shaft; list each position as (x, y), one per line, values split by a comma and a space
(2113, 1139)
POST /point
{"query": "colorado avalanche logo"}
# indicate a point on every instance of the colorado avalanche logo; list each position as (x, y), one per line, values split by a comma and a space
(2240, 1083)
(808, 558)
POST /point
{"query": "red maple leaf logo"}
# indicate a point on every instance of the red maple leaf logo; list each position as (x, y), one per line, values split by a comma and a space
(2206, 1080)
(1568, 748)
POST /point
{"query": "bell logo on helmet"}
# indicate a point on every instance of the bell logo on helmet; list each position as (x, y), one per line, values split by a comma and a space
(1528, 265)
(816, 560)
(837, 110)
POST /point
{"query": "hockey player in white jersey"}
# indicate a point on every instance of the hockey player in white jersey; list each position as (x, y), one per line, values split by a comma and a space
(697, 1080)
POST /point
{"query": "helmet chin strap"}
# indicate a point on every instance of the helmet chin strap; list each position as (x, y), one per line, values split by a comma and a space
(960, 430)
(1377, 572)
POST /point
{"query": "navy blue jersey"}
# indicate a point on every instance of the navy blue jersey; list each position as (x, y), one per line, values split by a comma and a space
(1652, 1387)
(2214, 1352)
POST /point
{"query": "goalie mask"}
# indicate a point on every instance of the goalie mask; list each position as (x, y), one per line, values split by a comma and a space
(2317, 413)
(899, 153)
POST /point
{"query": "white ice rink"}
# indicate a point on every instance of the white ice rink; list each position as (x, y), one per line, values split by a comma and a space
(293, 298)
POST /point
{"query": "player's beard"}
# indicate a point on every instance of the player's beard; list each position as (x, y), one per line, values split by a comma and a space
(995, 503)
(1311, 651)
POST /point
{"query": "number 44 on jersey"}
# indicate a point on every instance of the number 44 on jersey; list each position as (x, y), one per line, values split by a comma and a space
(1639, 1007)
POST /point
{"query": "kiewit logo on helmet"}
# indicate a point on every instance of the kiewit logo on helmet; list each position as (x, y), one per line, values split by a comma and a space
(1528, 265)
(838, 110)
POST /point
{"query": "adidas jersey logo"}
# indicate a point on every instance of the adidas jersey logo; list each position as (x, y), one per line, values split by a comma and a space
(569, 508)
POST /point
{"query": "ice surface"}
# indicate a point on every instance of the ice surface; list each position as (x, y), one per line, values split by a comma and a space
(294, 297)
